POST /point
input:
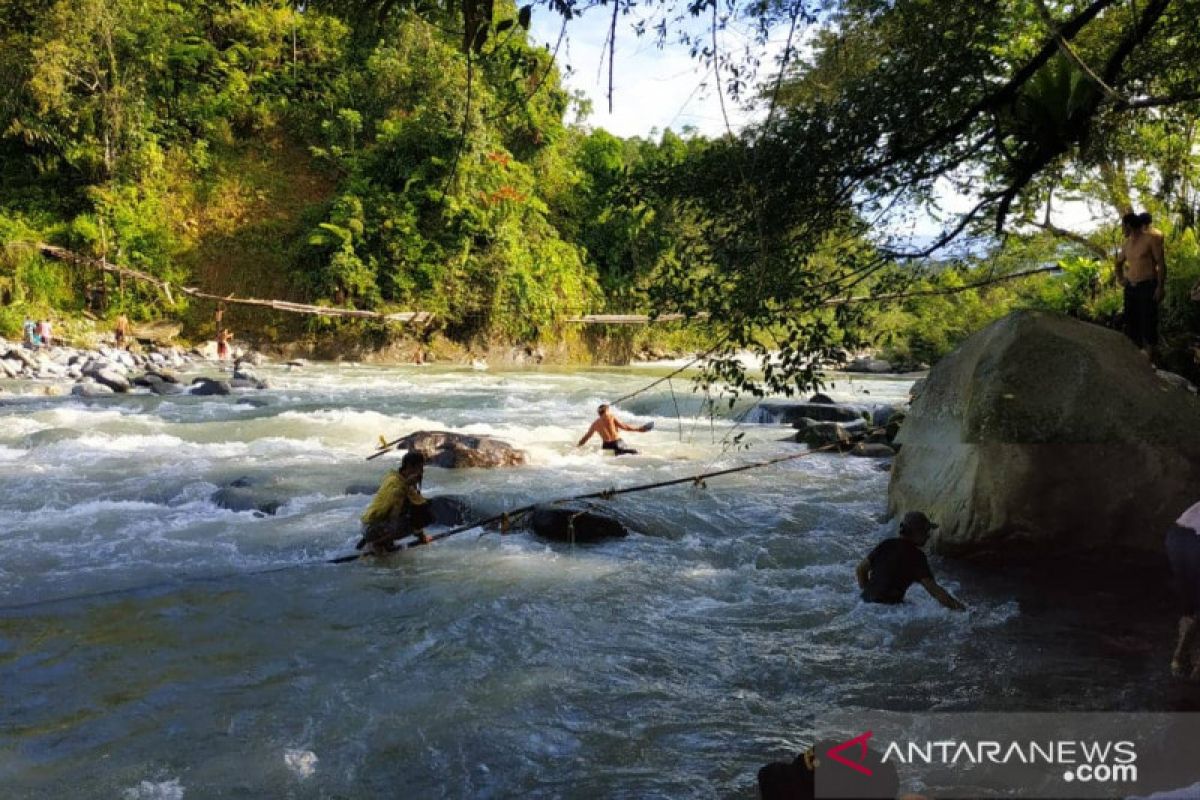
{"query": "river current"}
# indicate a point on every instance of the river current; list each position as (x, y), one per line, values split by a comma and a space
(156, 645)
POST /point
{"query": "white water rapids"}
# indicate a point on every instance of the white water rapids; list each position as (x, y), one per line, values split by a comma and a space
(149, 647)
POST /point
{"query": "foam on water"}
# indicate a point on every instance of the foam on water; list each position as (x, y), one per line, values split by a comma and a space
(229, 654)
(155, 790)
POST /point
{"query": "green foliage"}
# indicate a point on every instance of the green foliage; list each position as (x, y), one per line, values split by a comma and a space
(438, 174)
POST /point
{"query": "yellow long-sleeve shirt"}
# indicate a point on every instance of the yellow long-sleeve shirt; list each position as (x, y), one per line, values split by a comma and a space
(391, 498)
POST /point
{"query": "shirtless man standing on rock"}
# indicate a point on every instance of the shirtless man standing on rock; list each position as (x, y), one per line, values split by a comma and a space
(1142, 269)
(607, 426)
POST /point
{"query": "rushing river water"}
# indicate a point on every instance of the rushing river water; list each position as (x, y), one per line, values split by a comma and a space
(154, 644)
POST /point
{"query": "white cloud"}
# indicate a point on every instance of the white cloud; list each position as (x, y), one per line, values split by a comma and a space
(653, 88)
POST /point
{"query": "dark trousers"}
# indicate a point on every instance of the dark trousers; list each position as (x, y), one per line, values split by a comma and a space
(1141, 313)
(1183, 551)
(618, 447)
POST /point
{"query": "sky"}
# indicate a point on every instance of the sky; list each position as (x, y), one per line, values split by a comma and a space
(658, 88)
(653, 89)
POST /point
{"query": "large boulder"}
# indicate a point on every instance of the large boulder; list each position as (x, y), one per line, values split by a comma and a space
(457, 450)
(1044, 433)
(572, 522)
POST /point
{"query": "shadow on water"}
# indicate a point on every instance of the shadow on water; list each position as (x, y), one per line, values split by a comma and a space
(1100, 628)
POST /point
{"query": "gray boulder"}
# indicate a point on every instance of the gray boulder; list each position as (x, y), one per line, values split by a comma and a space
(459, 450)
(22, 355)
(572, 522)
(249, 493)
(874, 366)
(1042, 432)
(450, 510)
(164, 374)
(872, 450)
(820, 434)
(164, 388)
(89, 388)
(110, 378)
(209, 386)
(247, 383)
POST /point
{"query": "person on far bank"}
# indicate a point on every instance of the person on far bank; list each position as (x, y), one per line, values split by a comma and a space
(223, 338)
(606, 426)
(897, 563)
(1183, 552)
(398, 508)
(121, 330)
(1141, 269)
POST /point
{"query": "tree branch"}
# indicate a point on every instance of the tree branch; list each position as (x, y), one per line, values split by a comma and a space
(1063, 233)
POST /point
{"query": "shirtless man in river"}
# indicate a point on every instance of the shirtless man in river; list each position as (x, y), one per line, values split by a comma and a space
(1142, 269)
(607, 426)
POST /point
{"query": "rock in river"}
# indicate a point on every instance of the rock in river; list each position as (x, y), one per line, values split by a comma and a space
(1042, 432)
(457, 450)
(574, 522)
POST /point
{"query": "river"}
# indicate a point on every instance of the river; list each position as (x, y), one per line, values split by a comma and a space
(156, 645)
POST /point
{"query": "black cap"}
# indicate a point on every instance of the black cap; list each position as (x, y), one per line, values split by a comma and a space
(916, 521)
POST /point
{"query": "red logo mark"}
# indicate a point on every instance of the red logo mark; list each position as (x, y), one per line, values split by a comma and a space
(861, 741)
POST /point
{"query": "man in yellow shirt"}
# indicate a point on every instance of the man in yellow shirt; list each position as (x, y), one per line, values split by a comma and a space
(398, 509)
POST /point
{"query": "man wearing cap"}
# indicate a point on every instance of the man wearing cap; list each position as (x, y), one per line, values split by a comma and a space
(398, 508)
(895, 564)
(1183, 551)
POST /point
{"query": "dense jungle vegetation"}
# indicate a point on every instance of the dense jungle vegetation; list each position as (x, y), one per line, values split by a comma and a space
(413, 155)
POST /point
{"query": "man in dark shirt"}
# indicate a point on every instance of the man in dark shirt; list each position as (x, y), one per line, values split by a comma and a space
(895, 564)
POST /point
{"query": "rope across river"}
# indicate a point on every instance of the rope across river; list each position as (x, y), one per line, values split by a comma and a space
(505, 517)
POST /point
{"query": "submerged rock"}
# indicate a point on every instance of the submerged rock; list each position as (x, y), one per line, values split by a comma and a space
(459, 450)
(249, 493)
(874, 366)
(872, 450)
(111, 378)
(447, 509)
(819, 434)
(209, 386)
(575, 523)
(451, 509)
(88, 388)
(786, 412)
(162, 387)
(1044, 432)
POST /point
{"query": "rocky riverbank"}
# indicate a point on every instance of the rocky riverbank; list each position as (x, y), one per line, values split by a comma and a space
(103, 371)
